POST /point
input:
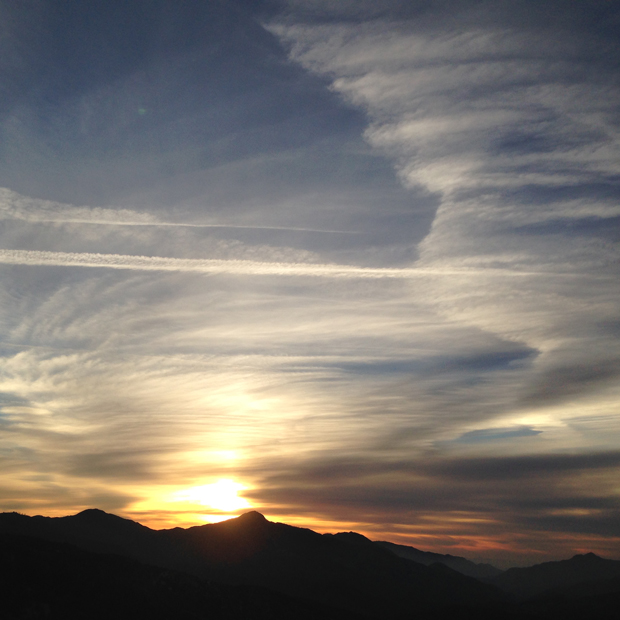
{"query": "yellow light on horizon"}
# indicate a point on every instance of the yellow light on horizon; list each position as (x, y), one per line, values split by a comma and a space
(221, 495)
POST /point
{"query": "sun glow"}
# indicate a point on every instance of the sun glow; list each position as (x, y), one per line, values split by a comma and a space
(221, 495)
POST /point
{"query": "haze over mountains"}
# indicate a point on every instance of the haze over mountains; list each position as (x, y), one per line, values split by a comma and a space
(249, 567)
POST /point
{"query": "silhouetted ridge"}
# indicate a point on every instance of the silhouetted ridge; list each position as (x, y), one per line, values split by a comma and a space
(95, 513)
(251, 517)
(110, 527)
(534, 580)
(352, 538)
(346, 571)
(96, 516)
(586, 557)
(249, 567)
(484, 572)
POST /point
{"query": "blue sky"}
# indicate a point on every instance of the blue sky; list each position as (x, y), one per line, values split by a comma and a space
(361, 262)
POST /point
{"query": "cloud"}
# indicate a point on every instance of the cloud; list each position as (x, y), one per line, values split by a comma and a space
(15, 206)
(238, 267)
(563, 383)
(473, 502)
(496, 434)
(512, 127)
(156, 263)
(506, 468)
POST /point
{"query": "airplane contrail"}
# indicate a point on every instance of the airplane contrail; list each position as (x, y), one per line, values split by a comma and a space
(156, 224)
(242, 267)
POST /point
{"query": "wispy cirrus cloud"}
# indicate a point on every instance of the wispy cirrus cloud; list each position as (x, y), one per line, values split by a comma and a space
(512, 124)
(509, 126)
(17, 207)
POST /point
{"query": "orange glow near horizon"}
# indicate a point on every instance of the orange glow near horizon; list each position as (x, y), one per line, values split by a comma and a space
(221, 496)
(467, 545)
(196, 505)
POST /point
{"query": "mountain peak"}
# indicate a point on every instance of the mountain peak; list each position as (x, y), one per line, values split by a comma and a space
(352, 538)
(586, 556)
(93, 512)
(251, 517)
(96, 515)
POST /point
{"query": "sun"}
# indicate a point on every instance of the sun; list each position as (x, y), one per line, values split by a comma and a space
(220, 495)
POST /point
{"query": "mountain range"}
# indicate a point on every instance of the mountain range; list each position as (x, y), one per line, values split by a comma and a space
(97, 564)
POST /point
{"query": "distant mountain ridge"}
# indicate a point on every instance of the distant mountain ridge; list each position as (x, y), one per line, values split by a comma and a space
(459, 564)
(349, 573)
(344, 571)
(535, 580)
(116, 534)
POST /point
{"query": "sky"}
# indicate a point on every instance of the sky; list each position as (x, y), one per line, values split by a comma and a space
(353, 265)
